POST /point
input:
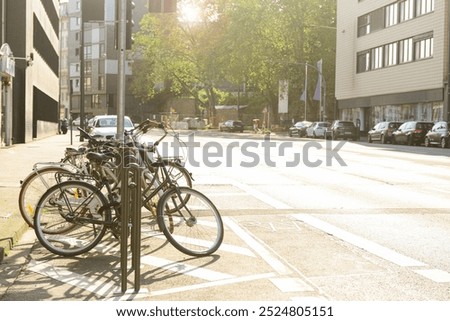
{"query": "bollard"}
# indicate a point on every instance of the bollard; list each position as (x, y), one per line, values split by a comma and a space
(2, 254)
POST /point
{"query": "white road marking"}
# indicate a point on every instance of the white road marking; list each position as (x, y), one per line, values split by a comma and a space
(435, 275)
(261, 196)
(93, 285)
(179, 267)
(291, 285)
(246, 278)
(369, 246)
(223, 247)
(188, 288)
(257, 247)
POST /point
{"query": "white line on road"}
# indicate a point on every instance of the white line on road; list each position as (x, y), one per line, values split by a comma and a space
(257, 247)
(94, 285)
(189, 288)
(261, 196)
(180, 267)
(369, 246)
(435, 275)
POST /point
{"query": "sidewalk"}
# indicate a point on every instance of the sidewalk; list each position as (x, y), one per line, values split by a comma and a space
(16, 163)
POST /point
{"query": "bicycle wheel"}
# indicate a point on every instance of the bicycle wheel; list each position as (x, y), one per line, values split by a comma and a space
(71, 218)
(33, 187)
(194, 227)
(179, 174)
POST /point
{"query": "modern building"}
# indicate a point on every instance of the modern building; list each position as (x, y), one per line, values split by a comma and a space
(29, 96)
(392, 60)
(100, 60)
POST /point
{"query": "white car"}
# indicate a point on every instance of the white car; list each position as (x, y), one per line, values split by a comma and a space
(317, 129)
(105, 126)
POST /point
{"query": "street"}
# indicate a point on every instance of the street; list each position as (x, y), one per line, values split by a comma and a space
(304, 219)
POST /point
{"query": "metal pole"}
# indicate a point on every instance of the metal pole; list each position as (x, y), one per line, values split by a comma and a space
(82, 116)
(125, 214)
(306, 87)
(136, 204)
(121, 72)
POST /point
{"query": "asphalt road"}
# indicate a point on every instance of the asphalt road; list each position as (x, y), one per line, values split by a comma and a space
(304, 220)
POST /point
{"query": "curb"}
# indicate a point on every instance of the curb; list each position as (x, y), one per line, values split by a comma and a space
(16, 162)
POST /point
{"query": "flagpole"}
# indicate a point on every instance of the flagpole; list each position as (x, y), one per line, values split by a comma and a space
(306, 87)
(319, 65)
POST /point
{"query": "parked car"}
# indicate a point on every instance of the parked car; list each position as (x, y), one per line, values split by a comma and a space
(383, 131)
(232, 126)
(438, 135)
(412, 132)
(341, 129)
(317, 129)
(299, 128)
(76, 122)
(105, 126)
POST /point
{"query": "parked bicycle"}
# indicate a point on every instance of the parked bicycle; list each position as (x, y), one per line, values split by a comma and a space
(42, 176)
(73, 216)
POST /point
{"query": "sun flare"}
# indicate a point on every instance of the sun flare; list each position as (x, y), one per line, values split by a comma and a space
(189, 11)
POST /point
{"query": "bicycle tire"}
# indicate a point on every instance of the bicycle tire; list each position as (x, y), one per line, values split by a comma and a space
(179, 174)
(201, 233)
(33, 187)
(71, 235)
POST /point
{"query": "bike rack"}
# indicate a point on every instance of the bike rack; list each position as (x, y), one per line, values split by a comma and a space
(131, 204)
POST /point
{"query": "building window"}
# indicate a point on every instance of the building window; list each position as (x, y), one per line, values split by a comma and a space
(88, 67)
(406, 9)
(371, 22)
(101, 83)
(77, 52)
(376, 58)
(391, 15)
(363, 62)
(424, 7)
(391, 54)
(88, 83)
(102, 50)
(364, 25)
(423, 47)
(88, 52)
(95, 101)
(405, 50)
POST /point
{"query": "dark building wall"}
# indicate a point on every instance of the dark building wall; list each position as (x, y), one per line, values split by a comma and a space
(41, 106)
(16, 38)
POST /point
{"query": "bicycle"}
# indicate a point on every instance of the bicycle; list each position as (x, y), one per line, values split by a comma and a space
(42, 176)
(72, 217)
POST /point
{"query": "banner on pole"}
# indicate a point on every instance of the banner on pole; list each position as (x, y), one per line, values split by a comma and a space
(283, 92)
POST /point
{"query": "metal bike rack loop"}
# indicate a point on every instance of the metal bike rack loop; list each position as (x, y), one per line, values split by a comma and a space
(131, 204)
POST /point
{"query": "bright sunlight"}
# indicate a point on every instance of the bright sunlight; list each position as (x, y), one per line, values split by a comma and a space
(189, 11)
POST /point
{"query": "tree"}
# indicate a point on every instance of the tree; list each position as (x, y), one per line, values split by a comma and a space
(251, 42)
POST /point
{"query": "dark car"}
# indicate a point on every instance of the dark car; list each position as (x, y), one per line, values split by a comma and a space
(438, 135)
(232, 126)
(412, 132)
(299, 128)
(383, 131)
(341, 129)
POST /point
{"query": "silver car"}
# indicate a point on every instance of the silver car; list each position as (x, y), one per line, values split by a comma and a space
(105, 126)
(317, 129)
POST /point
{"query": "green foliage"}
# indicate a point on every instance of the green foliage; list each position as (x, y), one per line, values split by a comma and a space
(238, 42)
